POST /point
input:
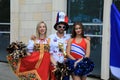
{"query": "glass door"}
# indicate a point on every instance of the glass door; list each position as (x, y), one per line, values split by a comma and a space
(90, 13)
(4, 28)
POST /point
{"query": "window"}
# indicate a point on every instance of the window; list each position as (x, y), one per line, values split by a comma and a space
(4, 28)
(87, 11)
(90, 13)
(117, 3)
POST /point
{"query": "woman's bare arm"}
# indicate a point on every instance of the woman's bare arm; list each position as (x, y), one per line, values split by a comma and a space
(88, 48)
(68, 49)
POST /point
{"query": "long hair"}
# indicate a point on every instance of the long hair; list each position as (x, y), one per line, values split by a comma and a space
(73, 31)
(37, 29)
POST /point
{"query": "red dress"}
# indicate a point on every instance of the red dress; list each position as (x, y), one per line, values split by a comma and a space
(33, 67)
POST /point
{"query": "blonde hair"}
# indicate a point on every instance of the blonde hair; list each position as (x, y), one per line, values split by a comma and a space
(37, 31)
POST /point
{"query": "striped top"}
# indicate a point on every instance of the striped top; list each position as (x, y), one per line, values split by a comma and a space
(78, 50)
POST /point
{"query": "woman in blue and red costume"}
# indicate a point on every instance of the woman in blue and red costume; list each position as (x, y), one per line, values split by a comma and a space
(78, 47)
(36, 65)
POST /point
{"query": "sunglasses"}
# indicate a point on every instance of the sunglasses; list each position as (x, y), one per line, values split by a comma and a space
(62, 27)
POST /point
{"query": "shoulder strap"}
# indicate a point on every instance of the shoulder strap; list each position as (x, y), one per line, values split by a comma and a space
(48, 40)
(72, 39)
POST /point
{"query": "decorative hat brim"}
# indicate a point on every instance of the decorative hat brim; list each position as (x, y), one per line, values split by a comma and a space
(67, 26)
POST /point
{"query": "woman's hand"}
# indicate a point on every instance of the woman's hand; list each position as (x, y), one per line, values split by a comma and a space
(28, 54)
(33, 37)
(55, 68)
(76, 62)
(88, 38)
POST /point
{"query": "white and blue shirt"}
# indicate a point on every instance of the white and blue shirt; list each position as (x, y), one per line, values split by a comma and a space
(54, 49)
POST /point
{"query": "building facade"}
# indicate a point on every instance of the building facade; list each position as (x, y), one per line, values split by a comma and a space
(25, 14)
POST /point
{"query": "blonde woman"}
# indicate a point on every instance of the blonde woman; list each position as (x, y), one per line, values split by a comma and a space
(35, 66)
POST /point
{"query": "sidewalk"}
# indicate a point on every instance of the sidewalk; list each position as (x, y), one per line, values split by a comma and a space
(7, 74)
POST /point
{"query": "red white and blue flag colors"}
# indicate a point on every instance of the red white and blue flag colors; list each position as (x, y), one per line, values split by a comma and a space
(115, 42)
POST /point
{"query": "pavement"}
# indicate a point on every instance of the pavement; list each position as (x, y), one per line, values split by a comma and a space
(6, 73)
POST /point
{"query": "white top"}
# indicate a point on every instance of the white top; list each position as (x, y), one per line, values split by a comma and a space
(30, 45)
(54, 49)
